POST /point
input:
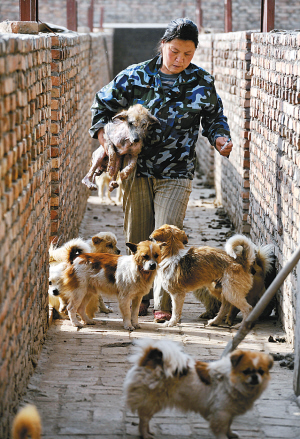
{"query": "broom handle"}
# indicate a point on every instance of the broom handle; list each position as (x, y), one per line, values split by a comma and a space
(249, 323)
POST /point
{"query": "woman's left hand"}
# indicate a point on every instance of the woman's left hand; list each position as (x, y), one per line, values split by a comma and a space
(220, 142)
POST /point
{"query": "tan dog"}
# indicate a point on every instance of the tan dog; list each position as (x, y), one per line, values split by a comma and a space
(102, 181)
(262, 265)
(183, 270)
(103, 242)
(128, 278)
(162, 376)
(124, 136)
(27, 423)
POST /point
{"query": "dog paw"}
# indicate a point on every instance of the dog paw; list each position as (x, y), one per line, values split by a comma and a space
(212, 322)
(207, 315)
(232, 435)
(136, 325)
(106, 310)
(77, 325)
(129, 327)
(169, 324)
(88, 183)
(90, 322)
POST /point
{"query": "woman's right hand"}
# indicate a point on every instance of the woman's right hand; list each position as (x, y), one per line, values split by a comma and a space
(223, 149)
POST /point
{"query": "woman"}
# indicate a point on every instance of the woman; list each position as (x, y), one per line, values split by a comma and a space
(180, 94)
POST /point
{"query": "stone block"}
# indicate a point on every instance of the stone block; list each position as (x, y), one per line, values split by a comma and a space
(19, 27)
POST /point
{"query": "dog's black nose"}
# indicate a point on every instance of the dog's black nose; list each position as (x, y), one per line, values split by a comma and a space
(55, 292)
(152, 266)
(118, 252)
(136, 139)
(254, 379)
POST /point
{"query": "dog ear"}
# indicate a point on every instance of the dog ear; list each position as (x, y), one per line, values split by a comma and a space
(162, 244)
(154, 121)
(271, 362)
(73, 253)
(203, 372)
(152, 358)
(133, 247)
(96, 240)
(121, 116)
(157, 235)
(236, 357)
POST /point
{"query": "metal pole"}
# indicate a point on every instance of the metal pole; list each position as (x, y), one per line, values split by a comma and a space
(91, 16)
(296, 380)
(72, 15)
(228, 15)
(267, 22)
(199, 15)
(262, 303)
(28, 10)
(101, 17)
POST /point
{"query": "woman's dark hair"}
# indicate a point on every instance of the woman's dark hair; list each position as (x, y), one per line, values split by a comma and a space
(181, 28)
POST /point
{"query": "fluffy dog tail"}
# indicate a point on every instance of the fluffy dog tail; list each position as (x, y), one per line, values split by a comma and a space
(265, 258)
(242, 247)
(69, 251)
(27, 423)
(161, 353)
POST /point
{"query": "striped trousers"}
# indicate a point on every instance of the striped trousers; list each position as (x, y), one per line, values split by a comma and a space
(148, 203)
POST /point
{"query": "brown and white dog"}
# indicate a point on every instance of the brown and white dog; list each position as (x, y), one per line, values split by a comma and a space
(103, 242)
(182, 270)
(128, 277)
(261, 267)
(163, 376)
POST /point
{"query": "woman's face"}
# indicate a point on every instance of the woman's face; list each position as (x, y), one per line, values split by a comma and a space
(176, 55)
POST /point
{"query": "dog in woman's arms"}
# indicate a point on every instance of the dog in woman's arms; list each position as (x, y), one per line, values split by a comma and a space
(187, 269)
(262, 267)
(163, 376)
(124, 136)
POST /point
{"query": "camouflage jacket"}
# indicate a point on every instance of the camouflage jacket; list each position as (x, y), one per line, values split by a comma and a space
(170, 151)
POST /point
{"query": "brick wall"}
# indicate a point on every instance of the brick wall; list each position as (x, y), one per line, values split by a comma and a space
(275, 157)
(227, 56)
(47, 87)
(231, 64)
(25, 100)
(70, 146)
(259, 186)
(245, 16)
(79, 68)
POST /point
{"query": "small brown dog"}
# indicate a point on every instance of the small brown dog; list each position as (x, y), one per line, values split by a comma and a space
(124, 136)
(262, 265)
(103, 242)
(163, 376)
(128, 278)
(27, 423)
(182, 270)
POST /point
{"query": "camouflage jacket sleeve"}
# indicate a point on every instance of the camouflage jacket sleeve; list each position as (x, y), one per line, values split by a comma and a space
(169, 152)
(214, 123)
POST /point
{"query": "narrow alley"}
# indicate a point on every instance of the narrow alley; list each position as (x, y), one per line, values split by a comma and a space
(77, 384)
